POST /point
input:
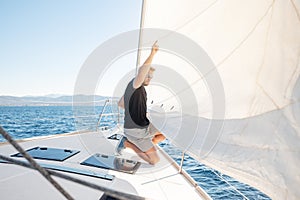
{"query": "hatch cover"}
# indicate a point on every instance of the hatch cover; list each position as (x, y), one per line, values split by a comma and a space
(47, 153)
(112, 162)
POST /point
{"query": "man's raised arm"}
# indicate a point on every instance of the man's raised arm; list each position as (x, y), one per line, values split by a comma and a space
(144, 69)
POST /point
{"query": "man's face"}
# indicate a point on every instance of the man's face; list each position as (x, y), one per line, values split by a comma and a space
(148, 78)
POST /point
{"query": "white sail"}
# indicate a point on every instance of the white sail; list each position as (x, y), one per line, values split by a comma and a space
(248, 125)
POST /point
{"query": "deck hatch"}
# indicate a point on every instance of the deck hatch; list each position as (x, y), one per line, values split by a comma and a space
(112, 162)
(47, 153)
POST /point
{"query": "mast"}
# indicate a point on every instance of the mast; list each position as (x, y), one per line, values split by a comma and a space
(140, 35)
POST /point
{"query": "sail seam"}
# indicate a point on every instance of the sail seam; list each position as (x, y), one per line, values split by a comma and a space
(229, 55)
(247, 36)
(293, 76)
(188, 21)
(196, 16)
(267, 94)
(296, 9)
(261, 65)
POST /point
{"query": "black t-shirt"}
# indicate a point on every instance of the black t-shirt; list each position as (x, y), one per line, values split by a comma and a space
(135, 102)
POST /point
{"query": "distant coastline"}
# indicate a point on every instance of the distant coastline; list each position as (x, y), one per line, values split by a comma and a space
(48, 100)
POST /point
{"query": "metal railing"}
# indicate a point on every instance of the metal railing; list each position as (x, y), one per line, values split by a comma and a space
(103, 114)
(32, 164)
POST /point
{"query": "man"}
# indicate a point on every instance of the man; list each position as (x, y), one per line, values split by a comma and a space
(141, 135)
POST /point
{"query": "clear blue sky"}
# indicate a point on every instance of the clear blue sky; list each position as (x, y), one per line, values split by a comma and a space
(44, 43)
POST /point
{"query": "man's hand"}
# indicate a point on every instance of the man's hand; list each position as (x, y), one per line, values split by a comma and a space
(155, 47)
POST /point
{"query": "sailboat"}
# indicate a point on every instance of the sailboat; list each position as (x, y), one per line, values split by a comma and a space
(250, 51)
(226, 92)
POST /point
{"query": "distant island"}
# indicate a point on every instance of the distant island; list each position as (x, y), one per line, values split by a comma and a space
(52, 100)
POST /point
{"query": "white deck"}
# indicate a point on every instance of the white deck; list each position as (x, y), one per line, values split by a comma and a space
(154, 182)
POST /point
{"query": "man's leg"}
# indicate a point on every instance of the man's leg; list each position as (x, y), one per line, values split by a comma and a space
(153, 156)
(149, 156)
(158, 137)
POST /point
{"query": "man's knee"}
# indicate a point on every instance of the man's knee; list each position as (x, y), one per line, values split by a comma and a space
(153, 156)
(154, 160)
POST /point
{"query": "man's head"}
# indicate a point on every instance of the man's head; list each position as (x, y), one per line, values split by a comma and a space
(149, 76)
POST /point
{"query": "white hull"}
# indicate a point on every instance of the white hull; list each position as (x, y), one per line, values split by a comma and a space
(162, 181)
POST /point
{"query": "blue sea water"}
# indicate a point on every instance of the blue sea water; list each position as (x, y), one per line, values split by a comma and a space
(30, 121)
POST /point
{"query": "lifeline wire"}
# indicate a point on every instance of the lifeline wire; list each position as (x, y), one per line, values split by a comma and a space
(107, 191)
(110, 192)
(34, 164)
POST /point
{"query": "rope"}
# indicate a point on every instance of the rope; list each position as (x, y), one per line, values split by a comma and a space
(34, 164)
(107, 191)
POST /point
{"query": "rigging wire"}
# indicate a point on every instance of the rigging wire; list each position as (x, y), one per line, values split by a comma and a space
(221, 177)
(107, 191)
(34, 164)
